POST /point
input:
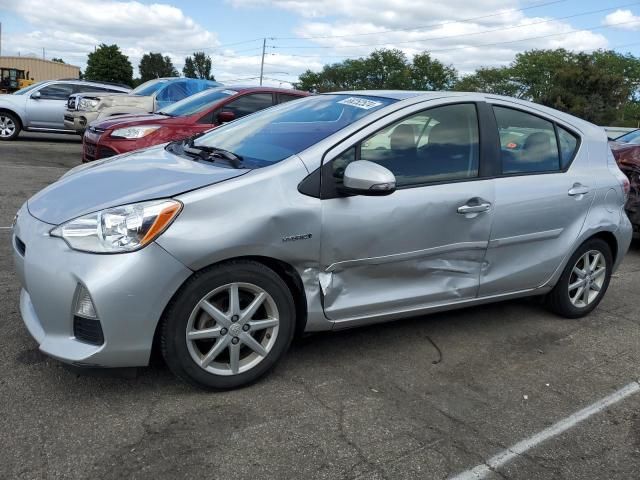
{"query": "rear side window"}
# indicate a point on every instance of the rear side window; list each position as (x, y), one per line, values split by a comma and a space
(284, 97)
(527, 142)
(249, 104)
(568, 146)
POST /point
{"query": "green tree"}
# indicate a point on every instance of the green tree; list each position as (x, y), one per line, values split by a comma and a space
(427, 73)
(385, 68)
(198, 66)
(57, 60)
(154, 65)
(108, 64)
(489, 80)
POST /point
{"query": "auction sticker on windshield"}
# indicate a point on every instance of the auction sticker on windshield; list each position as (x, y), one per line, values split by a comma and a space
(360, 102)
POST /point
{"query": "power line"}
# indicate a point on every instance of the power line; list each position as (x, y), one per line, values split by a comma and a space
(460, 34)
(427, 27)
(598, 27)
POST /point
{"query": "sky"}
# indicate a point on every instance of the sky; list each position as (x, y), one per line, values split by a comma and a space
(306, 34)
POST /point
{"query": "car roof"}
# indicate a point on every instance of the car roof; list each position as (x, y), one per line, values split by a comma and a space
(394, 94)
(96, 83)
(243, 88)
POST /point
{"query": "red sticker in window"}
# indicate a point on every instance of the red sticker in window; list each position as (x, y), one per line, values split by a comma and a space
(512, 145)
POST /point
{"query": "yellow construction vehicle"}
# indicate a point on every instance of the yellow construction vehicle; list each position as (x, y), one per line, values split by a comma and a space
(12, 79)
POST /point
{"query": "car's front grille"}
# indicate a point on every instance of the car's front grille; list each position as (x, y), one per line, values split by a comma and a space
(104, 152)
(20, 246)
(88, 330)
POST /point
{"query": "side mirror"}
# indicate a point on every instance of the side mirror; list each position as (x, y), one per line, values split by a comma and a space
(36, 95)
(226, 116)
(363, 177)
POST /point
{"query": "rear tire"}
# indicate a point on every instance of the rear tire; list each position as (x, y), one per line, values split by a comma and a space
(584, 280)
(9, 126)
(213, 335)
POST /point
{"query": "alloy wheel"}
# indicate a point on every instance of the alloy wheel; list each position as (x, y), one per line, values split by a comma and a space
(232, 329)
(7, 126)
(587, 278)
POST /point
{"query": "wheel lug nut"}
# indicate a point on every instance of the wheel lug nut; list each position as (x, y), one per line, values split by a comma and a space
(245, 327)
(235, 340)
(235, 318)
(223, 331)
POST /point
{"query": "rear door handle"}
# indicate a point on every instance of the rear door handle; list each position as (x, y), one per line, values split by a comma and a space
(479, 208)
(578, 189)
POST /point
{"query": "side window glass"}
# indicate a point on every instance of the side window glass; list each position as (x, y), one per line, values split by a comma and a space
(56, 91)
(249, 104)
(568, 146)
(439, 144)
(283, 97)
(527, 143)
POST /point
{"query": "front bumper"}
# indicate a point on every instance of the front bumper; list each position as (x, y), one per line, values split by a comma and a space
(129, 291)
(78, 120)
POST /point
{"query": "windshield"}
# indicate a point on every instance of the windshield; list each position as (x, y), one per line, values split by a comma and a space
(631, 137)
(148, 88)
(276, 133)
(196, 103)
(28, 89)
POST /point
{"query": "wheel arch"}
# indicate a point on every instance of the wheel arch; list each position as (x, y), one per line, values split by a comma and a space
(284, 270)
(610, 239)
(14, 113)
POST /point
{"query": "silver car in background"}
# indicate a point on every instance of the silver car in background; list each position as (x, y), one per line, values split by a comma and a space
(40, 107)
(329, 212)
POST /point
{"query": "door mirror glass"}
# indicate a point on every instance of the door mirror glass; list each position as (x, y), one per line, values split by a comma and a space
(226, 116)
(362, 177)
(36, 95)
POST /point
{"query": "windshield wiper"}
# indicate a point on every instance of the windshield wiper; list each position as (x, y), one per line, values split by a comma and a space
(204, 152)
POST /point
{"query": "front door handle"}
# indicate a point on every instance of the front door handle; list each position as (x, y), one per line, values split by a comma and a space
(479, 208)
(578, 189)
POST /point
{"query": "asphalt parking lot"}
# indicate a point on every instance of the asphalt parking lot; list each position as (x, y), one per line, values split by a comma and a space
(425, 398)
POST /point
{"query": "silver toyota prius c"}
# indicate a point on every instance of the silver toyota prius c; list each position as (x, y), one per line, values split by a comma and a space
(327, 212)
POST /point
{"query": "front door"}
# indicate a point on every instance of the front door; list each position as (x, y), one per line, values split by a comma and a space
(422, 245)
(47, 111)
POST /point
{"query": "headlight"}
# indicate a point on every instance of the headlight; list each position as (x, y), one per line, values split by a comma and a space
(119, 229)
(88, 103)
(134, 132)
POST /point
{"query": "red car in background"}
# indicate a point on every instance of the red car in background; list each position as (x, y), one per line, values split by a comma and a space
(626, 150)
(195, 114)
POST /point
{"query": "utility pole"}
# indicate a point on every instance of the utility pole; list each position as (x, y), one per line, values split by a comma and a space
(264, 44)
(0, 39)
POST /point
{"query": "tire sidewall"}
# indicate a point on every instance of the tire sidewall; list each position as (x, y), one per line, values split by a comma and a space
(571, 310)
(174, 341)
(17, 123)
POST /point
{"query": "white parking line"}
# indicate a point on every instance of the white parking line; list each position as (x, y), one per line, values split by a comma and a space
(506, 456)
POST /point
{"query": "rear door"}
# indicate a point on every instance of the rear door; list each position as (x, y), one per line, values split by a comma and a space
(543, 194)
(422, 245)
(48, 110)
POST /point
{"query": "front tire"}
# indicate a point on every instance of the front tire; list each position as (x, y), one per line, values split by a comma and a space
(584, 280)
(228, 325)
(9, 126)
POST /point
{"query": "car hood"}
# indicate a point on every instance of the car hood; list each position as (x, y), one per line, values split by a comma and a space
(119, 100)
(134, 119)
(144, 175)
